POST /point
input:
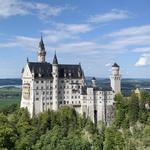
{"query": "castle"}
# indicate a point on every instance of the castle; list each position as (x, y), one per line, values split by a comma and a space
(50, 86)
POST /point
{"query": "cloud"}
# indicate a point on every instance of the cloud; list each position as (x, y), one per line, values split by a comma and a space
(108, 65)
(81, 47)
(144, 60)
(22, 42)
(142, 49)
(132, 31)
(10, 8)
(124, 39)
(114, 14)
(63, 32)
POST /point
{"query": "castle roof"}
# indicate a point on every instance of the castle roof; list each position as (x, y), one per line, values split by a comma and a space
(44, 70)
(55, 61)
(115, 65)
(41, 44)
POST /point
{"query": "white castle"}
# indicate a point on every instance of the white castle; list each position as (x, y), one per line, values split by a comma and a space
(50, 86)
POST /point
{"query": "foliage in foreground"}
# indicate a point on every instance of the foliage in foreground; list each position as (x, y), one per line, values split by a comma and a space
(66, 130)
(63, 129)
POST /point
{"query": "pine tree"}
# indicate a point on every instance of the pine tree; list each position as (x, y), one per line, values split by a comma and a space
(133, 108)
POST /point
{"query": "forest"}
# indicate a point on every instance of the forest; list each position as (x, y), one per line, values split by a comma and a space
(65, 129)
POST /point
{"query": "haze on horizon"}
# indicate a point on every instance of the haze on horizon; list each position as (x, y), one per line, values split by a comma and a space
(94, 33)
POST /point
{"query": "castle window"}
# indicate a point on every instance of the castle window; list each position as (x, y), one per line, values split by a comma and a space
(37, 81)
(67, 102)
(72, 97)
(41, 87)
(64, 102)
(47, 92)
(72, 102)
(37, 88)
(78, 96)
(41, 81)
(79, 102)
(43, 93)
(37, 99)
(37, 93)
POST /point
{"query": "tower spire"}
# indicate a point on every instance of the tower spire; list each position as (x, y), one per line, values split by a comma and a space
(55, 61)
(41, 52)
(41, 44)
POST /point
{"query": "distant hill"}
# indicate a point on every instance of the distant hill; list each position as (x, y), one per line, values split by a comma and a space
(12, 82)
(127, 84)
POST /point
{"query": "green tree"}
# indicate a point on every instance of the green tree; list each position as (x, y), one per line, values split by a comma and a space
(133, 108)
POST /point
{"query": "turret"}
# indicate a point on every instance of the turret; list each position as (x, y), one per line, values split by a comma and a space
(115, 78)
(55, 82)
(94, 82)
(41, 52)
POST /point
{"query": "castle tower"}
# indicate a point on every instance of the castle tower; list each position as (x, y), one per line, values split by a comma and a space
(115, 78)
(41, 52)
(93, 82)
(55, 82)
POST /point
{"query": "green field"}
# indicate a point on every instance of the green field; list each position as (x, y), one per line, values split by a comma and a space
(9, 96)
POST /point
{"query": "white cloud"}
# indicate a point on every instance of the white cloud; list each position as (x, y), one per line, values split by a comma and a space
(144, 60)
(124, 39)
(86, 47)
(75, 28)
(110, 16)
(142, 49)
(10, 8)
(21, 41)
(62, 32)
(132, 31)
(108, 65)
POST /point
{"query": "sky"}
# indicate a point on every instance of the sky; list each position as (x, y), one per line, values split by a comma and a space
(95, 33)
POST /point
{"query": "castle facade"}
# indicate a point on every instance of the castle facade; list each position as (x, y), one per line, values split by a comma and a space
(52, 85)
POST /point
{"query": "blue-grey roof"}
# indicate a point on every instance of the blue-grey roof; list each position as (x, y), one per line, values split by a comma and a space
(44, 70)
(115, 65)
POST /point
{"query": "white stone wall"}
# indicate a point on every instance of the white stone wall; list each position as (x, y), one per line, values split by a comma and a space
(42, 96)
(115, 79)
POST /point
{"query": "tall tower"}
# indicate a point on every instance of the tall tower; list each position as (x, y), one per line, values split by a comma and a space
(55, 82)
(115, 78)
(94, 82)
(41, 52)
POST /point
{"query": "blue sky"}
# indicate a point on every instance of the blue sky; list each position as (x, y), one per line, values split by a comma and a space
(95, 33)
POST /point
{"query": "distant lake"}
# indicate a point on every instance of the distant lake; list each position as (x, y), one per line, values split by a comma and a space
(3, 86)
